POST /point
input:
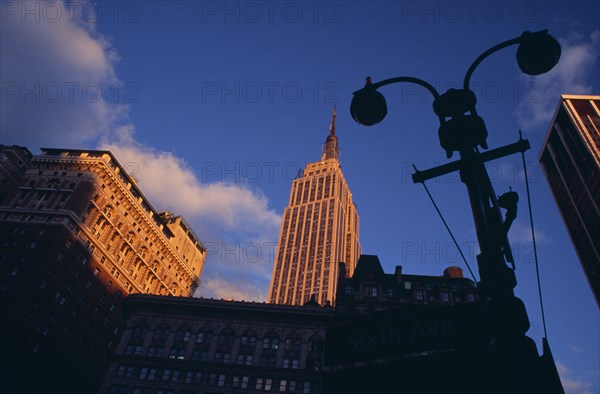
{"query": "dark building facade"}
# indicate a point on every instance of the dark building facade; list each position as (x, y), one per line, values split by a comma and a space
(423, 334)
(198, 346)
(175, 345)
(76, 237)
(570, 159)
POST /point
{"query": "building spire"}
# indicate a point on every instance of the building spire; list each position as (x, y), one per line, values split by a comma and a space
(333, 118)
(330, 149)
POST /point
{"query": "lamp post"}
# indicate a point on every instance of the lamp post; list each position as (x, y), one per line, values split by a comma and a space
(503, 317)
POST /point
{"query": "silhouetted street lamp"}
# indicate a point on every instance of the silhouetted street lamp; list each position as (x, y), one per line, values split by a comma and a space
(461, 130)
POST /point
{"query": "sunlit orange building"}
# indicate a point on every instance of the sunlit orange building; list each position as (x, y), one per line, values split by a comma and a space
(76, 236)
(570, 159)
(320, 228)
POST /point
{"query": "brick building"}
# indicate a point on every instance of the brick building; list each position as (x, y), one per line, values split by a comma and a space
(76, 236)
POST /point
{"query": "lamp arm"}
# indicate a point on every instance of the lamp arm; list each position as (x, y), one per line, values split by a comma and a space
(487, 53)
(417, 81)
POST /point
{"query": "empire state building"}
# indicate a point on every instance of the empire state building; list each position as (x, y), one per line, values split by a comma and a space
(320, 229)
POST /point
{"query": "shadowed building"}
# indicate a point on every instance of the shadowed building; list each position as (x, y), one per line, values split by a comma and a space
(192, 346)
(570, 159)
(319, 229)
(77, 235)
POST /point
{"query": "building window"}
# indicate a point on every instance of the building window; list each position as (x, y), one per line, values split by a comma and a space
(370, 290)
(121, 371)
(221, 357)
(177, 352)
(244, 359)
(248, 339)
(226, 338)
(189, 377)
(293, 344)
(161, 333)
(282, 385)
(154, 351)
(245, 381)
(270, 342)
(306, 388)
(198, 377)
(419, 295)
(199, 354)
(445, 296)
(117, 389)
(183, 335)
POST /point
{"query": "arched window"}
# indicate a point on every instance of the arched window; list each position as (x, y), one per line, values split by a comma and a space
(271, 341)
(137, 337)
(224, 345)
(291, 356)
(270, 346)
(248, 339)
(204, 336)
(293, 343)
(248, 342)
(183, 334)
(161, 332)
(203, 340)
(226, 337)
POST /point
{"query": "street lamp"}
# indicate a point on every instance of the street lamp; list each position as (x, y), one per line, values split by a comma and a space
(503, 316)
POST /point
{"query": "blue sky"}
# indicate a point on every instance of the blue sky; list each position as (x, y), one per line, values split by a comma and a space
(214, 107)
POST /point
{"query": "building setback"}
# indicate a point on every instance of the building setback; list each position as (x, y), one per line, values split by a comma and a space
(319, 229)
(570, 158)
(77, 235)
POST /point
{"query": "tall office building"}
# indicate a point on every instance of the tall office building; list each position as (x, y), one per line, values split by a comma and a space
(320, 228)
(570, 159)
(76, 236)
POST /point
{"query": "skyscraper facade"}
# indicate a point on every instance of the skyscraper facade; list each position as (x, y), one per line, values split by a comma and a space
(570, 159)
(320, 228)
(76, 236)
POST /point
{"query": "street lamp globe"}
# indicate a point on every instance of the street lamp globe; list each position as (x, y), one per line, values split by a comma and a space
(368, 106)
(538, 52)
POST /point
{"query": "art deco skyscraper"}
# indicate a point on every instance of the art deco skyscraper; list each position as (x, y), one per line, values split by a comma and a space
(571, 161)
(320, 228)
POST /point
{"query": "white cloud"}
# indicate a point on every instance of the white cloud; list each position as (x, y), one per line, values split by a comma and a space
(217, 287)
(571, 383)
(520, 230)
(578, 60)
(575, 349)
(67, 54)
(55, 74)
(173, 185)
